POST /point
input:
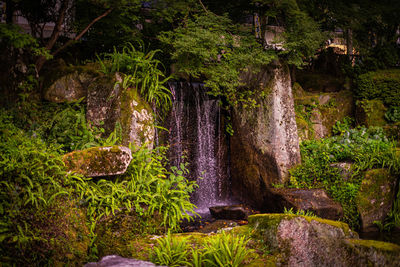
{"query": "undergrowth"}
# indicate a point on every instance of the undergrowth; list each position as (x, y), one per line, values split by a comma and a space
(364, 148)
(34, 179)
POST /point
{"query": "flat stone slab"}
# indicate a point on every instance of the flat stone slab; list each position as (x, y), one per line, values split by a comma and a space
(99, 161)
(233, 212)
(117, 261)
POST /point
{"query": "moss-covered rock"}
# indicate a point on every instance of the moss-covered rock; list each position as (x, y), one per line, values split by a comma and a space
(371, 113)
(317, 113)
(307, 241)
(375, 197)
(99, 161)
(109, 105)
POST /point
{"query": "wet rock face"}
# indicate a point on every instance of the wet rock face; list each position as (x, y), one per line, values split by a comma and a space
(265, 142)
(99, 161)
(375, 197)
(314, 200)
(305, 241)
(117, 261)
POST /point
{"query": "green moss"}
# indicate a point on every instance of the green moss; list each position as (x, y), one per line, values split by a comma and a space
(378, 245)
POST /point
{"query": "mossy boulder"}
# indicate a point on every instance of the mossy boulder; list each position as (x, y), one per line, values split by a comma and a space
(307, 241)
(314, 200)
(265, 142)
(68, 83)
(371, 113)
(375, 197)
(110, 106)
(99, 161)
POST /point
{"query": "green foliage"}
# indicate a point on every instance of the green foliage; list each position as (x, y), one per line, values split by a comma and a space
(212, 47)
(365, 148)
(32, 178)
(382, 84)
(340, 127)
(299, 212)
(393, 114)
(142, 72)
(225, 250)
(170, 252)
(13, 37)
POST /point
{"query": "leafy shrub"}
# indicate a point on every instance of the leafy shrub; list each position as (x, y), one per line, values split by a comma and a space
(365, 148)
(299, 212)
(382, 84)
(32, 179)
(393, 114)
(170, 252)
(142, 72)
(343, 126)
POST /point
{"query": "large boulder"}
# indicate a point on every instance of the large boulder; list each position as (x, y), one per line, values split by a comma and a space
(375, 197)
(70, 87)
(99, 161)
(306, 241)
(314, 200)
(265, 142)
(109, 105)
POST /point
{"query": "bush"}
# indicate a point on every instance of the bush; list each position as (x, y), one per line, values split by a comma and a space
(382, 84)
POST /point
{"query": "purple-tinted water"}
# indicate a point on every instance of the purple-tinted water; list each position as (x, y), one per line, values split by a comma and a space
(196, 133)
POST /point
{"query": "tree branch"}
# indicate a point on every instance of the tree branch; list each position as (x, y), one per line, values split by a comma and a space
(57, 28)
(79, 36)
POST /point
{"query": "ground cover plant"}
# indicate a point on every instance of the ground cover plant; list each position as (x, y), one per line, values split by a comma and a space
(365, 148)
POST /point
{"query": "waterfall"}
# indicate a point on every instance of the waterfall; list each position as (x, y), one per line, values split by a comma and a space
(196, 133)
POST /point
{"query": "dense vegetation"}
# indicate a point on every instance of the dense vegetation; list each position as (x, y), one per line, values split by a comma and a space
(148, 43)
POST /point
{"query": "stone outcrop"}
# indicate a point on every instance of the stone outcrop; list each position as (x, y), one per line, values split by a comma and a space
(314, 200)
(265, 142)
(375, 197)
(108, 105)
(99, 161)
(317, 113)
(305, 241)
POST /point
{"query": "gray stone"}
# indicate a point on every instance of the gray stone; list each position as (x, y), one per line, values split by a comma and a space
(314, 200)
(306, 241)
(117, 261)
(344, 169)
(265, 142)
(99, 161)
(70, 87)
(320, 130)
(109, 104)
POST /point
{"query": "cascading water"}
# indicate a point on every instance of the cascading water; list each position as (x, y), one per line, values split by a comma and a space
(195, 132)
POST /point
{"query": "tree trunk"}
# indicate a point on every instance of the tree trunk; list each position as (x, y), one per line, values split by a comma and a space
(349, 43)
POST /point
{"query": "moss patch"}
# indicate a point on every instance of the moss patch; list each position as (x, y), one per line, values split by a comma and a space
(371, 113)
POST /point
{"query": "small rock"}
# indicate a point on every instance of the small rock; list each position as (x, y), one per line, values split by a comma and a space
(117, 261)
(234, 212)
(99, 161)
(344, 169)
